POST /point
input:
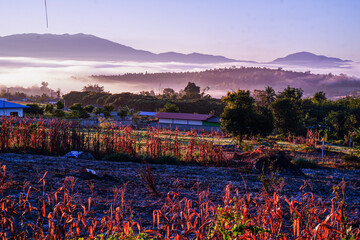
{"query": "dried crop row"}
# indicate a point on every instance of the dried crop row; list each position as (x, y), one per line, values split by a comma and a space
(57, 137)
(60, 214)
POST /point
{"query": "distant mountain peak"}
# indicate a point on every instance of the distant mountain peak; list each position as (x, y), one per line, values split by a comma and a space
(309, 59)
(82, 46)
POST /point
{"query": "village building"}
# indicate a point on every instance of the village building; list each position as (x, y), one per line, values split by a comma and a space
(188, 119)
(11, 109)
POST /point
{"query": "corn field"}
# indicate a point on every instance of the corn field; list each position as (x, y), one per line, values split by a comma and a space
(57, 137)
(59, 214)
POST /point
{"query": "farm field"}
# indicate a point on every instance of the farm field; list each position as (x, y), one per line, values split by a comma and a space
(162, 184)
(48, 185)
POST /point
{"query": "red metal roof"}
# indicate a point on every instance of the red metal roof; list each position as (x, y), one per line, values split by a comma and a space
(183, 116)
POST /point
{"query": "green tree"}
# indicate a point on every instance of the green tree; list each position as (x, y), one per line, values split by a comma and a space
(239, 116)
(98, 111)
(89, 108)
(319, 97)
(192, 91)
(168, 92)
(269, 95)
(170, 107)
(107, 110)
(59, 105)
(287, 118)
(264, 121)
(93, 88)
(264, 97)
(291, 93)
(59, 113)
(123, 112)
(77, 111)
(34, 109)
(337, 119)
(49, 108)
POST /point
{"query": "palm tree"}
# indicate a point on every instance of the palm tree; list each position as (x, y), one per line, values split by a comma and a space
(270, 95)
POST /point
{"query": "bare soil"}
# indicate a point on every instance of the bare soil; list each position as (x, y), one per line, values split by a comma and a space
(187, 181)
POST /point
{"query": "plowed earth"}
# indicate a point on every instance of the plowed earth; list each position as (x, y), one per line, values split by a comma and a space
(23, 170)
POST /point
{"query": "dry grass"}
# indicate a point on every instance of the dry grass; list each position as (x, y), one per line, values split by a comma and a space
(55, 137)
(59, 214)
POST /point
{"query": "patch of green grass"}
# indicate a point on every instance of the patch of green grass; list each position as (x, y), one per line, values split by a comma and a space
(305, 163)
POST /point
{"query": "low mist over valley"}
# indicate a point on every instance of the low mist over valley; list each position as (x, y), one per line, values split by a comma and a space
(69, 62)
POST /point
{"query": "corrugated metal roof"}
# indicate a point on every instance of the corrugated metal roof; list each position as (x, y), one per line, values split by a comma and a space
(6, 104)
(213, 119)
(183, 116)
(143, 113)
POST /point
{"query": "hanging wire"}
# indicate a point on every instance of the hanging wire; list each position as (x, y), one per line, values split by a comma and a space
(47, 21)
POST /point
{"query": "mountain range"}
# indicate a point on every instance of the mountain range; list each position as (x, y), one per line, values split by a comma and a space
(311, 60)
(88, 47)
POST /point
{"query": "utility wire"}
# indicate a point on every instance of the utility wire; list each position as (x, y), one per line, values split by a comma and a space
(47, 21)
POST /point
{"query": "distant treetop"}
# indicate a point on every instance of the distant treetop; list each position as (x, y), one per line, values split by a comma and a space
(93, 88)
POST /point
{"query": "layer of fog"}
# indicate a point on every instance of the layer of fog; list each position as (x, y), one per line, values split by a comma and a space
(74, 75)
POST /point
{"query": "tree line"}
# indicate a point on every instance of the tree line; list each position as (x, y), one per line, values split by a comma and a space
(223, 79)
(243, 113)
(264, 112)
(191, 99)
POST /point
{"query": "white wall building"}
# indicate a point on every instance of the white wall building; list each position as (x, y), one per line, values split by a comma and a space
(187, 119)
(11, 109)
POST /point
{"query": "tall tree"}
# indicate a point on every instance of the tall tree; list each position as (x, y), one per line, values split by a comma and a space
(269, 95)
(168, 92)
(291, 93)
(192, 91)
(239, 117)
(287, 118)
(319, 97)
(93, 88)
(170, 107)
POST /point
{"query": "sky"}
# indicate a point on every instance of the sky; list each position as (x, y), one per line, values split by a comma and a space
(259, 30)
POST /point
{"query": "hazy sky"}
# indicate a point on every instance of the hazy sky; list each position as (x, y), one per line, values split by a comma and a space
(258, 30)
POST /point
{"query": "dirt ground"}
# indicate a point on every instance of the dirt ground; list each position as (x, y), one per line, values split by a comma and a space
(187, 181)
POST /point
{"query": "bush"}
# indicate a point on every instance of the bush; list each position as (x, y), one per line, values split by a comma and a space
(304, 163)
(167, 159)
(59, 113)
(351, 160)
(119, 157)
(339, 142)
(246, 147)
(308, 149)
(34, 109)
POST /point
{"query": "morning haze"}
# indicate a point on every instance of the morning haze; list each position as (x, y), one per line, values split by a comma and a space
(180, 120)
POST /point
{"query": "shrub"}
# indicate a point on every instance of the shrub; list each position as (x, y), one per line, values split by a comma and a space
(339, 142)
(246, 146)
(351, 160)
(167, 159)
(308, 149)
(148, 179)
(118, 157)
(304, 163)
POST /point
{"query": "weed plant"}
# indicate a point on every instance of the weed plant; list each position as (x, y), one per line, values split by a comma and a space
(38, 213)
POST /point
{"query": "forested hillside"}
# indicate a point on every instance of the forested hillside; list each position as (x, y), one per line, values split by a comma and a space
(139, 102)
(225, 79)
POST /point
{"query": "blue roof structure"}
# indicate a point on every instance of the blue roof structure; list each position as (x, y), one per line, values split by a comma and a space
(6, 104)
(150, 114)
